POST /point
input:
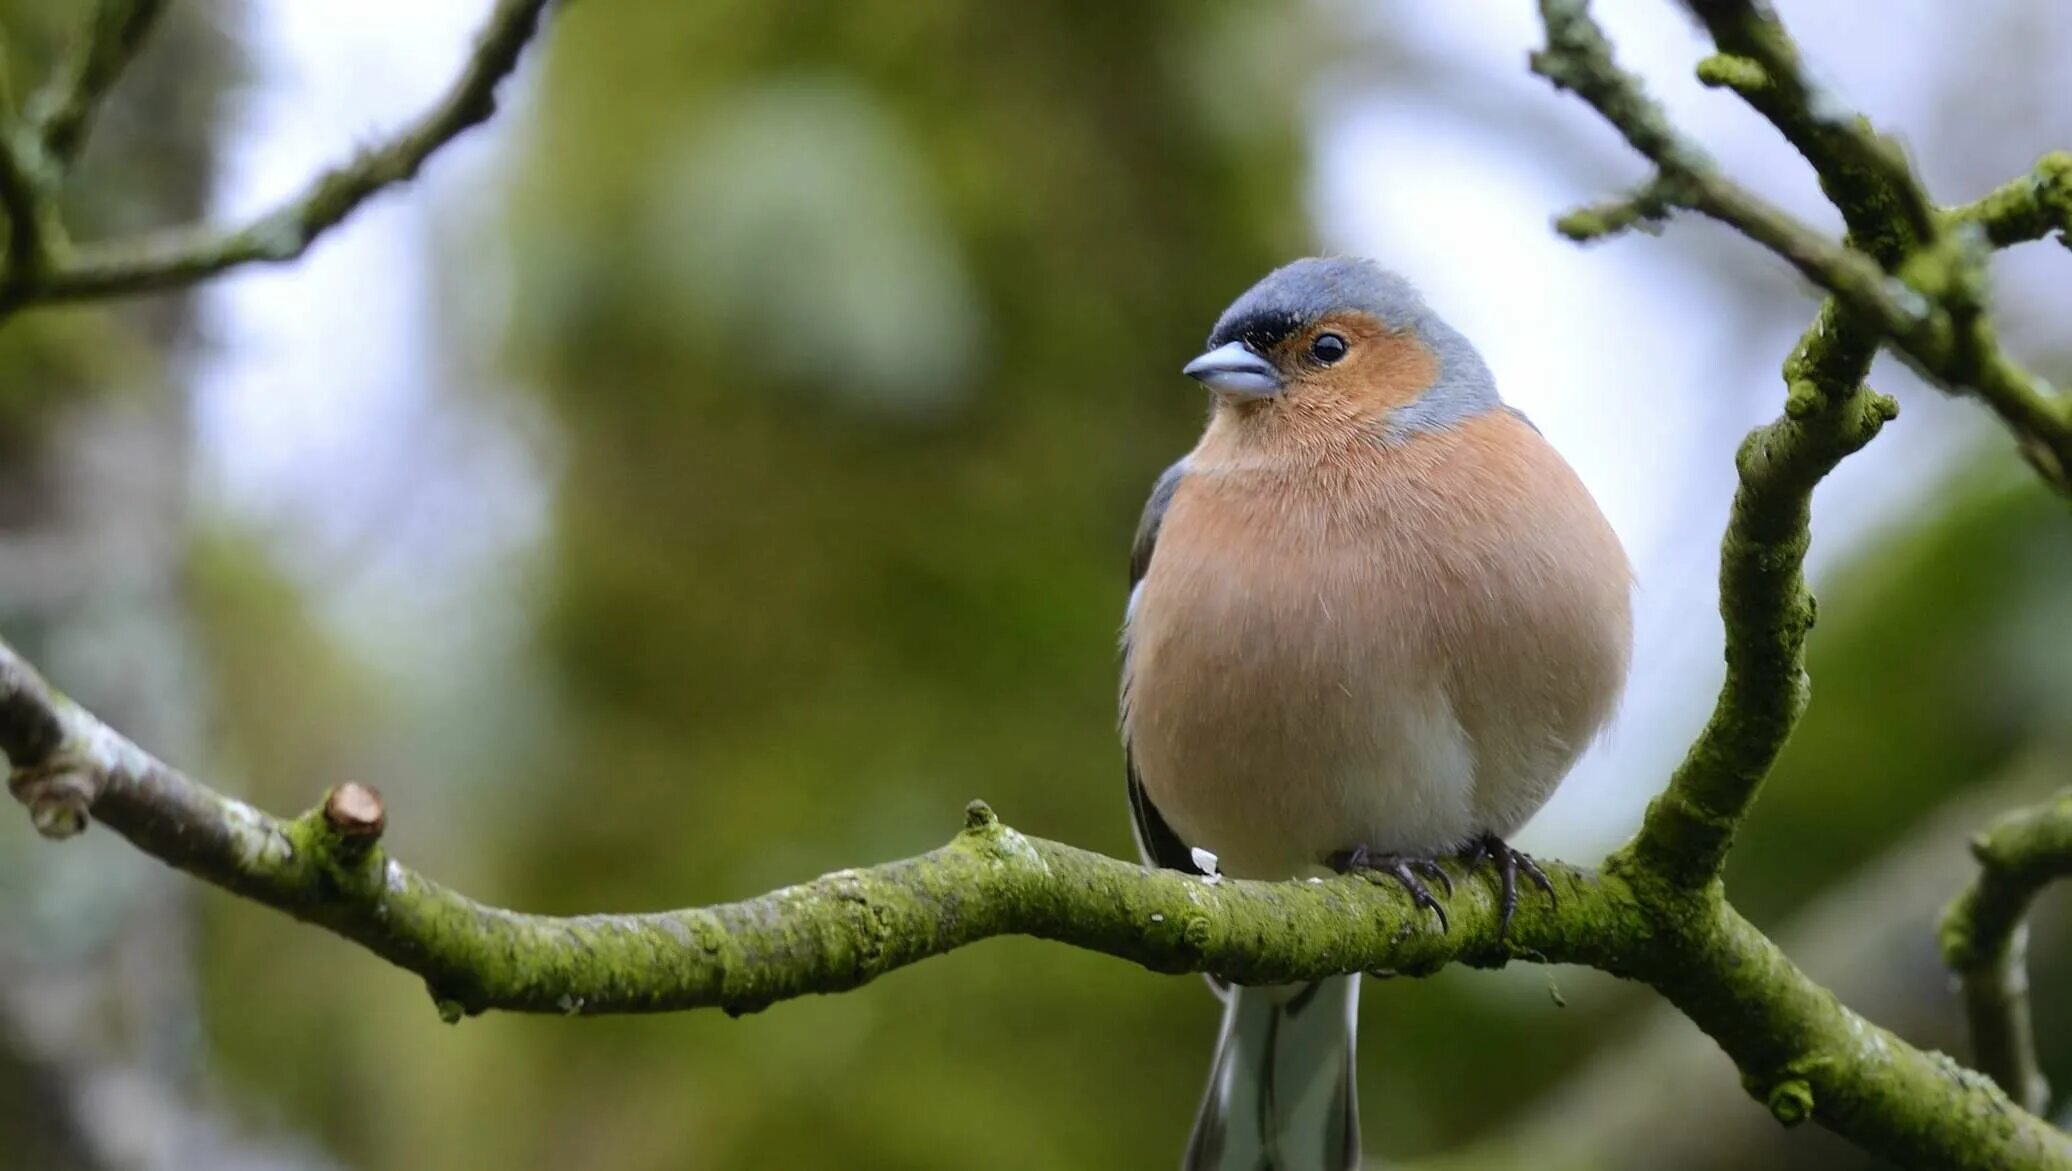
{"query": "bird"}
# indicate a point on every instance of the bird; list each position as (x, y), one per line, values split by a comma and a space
(1374, 618)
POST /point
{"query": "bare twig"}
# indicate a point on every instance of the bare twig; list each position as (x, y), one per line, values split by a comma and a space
(1829, 414)
(61, 115)
(2028, 208)
(182, 256)
(1764, 602)
(1984, 938)
(1928, 307)
(1865, 174)
(21, 204)
(1909, 275)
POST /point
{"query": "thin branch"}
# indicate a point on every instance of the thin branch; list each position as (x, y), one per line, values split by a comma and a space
(183, 256)
(1829, 414)
(1578, 58)
(1864, 174)
(20, 202)
(2028, 208)
(1847, 935)
(1984, 940)
(1645, 209)
(62, 113)
(1768, 611)
(1929, 308)
(1932, 311)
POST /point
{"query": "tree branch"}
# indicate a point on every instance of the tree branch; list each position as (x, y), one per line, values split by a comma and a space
(1909, 275)
(1800, 1051)
(842, 930)
(1829, 414)
(1931, 310)
(1984, 940)
(1865, 175)
(1854, 937)
(23, 206)
(2028, 208)
(1933, 316)
(183, 256)
(1920, 287)
(62, 113)
(1768, 611)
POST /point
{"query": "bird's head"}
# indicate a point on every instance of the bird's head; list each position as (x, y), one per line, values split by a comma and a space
(1342, 337)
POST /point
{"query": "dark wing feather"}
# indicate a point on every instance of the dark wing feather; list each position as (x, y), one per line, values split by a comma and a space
(1155, 839)
(1154, 516)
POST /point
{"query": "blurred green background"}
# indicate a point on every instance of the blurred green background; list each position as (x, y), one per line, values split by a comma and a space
(842, 343)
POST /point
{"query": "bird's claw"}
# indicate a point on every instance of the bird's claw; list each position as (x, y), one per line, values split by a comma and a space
(1508, 863)
(1407, 872)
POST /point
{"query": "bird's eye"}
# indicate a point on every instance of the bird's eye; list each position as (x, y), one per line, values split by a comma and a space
(1328, 348)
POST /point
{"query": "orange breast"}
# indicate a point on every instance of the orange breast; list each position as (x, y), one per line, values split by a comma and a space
(1396, 646)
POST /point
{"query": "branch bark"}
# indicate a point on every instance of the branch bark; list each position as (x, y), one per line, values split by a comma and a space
(2028, 208)
(1801, 1053)
(1918, 285)
(1984, 940)
(1860, 939)
(1909, 275)
(1768, 611)
(37, 274)
(61, 114)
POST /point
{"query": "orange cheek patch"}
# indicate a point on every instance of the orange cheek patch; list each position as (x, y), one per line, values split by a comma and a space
(1382, 370)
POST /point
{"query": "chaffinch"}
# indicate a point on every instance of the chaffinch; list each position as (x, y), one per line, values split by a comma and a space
(1373, 620)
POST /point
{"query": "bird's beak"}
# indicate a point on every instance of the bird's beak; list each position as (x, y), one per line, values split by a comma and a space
(1234, 370)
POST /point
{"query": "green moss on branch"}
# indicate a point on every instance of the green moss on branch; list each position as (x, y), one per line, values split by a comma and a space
(1767, 609)
(1983, 940)
(1917, 286)
(1800, 1052)
(2026, 208)
(61, 113)
(829, 935)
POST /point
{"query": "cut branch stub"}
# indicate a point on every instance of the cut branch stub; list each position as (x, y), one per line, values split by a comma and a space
(355, 811)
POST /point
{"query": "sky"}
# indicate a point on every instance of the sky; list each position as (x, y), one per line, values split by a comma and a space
(324, 395)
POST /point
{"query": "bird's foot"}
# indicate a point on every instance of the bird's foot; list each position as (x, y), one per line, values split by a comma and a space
(1509, 863)
(1408, 872)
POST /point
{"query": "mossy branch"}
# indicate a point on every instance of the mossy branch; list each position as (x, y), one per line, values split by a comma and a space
(2026, 208)
(1984, 938)
(1909, 276)
(1915, 274)
(1800, 1052)
(26, 217)
(61, 114)
(41, 269)
(1768, 611)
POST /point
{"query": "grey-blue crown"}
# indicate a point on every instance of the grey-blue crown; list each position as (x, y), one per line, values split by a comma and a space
(1295, 295)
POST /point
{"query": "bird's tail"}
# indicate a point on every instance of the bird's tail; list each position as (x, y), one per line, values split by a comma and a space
(1281, 1096)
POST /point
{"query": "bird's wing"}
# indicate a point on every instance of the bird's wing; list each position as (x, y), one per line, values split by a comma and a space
(1156, 840)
